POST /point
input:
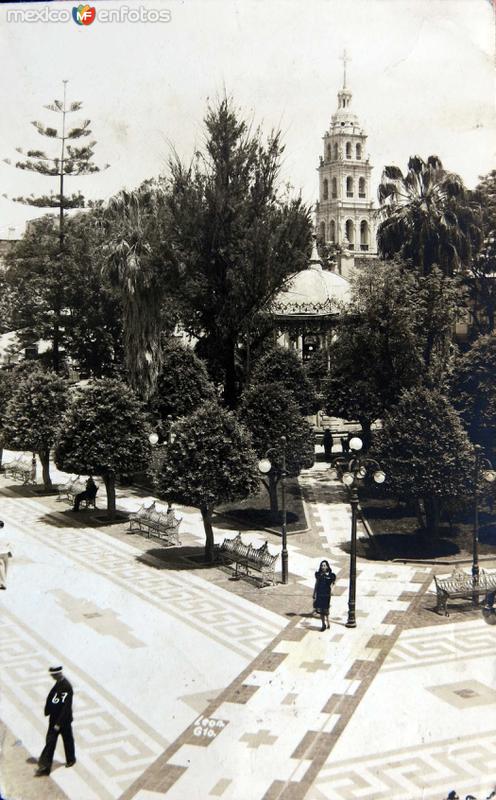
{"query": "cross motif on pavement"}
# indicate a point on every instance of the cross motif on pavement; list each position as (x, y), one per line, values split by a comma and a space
(104, 621)
(314, 666)
(256, 739)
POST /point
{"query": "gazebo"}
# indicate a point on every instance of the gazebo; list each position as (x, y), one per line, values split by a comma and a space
(308, 309)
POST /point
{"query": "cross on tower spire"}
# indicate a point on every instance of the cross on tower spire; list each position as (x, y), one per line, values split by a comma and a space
(344, 58)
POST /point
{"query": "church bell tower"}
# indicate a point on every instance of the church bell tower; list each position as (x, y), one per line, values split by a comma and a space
(345, 213)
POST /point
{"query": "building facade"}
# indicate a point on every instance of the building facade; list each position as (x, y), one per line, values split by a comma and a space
(345, 213)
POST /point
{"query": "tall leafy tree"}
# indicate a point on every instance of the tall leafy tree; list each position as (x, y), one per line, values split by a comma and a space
(183, 384)
(426, 452)
(89, 325)
(474, 391)
(8, 382)
(396, 335)
(209, 462)
(480, 278)
(33, 415)
(270, 412)
(283, 366)
(427, 217)
(104, 432)
(234, 239)
(66, 160)
(482, 285)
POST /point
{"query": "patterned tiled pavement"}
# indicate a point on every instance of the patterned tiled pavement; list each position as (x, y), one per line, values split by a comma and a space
(191, 686)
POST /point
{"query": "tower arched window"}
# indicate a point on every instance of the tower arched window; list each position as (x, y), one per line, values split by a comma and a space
(329, 153)
(322, 231)
(358, 151)
(349, 186)
(348, 149)
(364, 235)
(336, 151)
(361, 187)
(332, 231)
(325, 190)
(334, 187)
(350, 233)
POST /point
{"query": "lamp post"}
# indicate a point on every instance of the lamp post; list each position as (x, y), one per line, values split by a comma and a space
(484, 468)
(355, 469)
(265, 466)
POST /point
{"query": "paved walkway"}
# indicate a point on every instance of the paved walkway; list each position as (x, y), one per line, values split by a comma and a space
(189, 685)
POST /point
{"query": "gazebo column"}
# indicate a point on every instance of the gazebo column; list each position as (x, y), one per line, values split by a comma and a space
(300, 347)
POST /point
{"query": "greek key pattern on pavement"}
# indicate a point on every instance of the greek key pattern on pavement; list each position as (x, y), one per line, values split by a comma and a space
(438, 645)
(178, 596)
(417, 773)
(114, 746)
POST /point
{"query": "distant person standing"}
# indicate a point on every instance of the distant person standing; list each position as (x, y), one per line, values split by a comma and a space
(5, 554)
(327, 442)
(324, 580)
(58, 708)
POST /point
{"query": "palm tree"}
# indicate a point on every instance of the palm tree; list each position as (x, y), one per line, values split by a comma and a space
(427, 217)
(132, 220)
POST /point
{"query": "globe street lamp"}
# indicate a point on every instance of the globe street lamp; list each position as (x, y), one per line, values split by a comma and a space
(354, 470)
(482, 468)
(265, 466)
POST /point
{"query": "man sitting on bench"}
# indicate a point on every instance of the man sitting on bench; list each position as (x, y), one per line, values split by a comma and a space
(89, 494)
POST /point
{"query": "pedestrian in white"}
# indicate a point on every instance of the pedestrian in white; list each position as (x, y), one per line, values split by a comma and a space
(5, 554)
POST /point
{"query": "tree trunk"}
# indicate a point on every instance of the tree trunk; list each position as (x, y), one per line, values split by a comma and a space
(230, 386)
(432, 514)
(56, 346)
(419, 513)
(109, 480)
(206, 512)
(1, 456)
(366, 426)
(45, 468)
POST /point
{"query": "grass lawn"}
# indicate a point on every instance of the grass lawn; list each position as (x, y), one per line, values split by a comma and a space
(254, 512)
(397, 533)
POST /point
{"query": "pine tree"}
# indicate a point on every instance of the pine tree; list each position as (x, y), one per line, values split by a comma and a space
(70, 161)
(234, 238)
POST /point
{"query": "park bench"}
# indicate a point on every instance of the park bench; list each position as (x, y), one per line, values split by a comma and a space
(461, 584)
(21, 468)
(163, 525)
(75, 485)
(249, 558)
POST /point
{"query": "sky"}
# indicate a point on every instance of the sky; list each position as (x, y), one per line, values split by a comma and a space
(421, 73)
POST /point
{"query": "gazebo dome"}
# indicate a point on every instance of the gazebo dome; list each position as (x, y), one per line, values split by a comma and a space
(313, 292)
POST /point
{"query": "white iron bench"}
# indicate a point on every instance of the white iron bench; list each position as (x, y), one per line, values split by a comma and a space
(462, 584)
(163, 525)
(21, 468)
(75, 485)
(249, 558)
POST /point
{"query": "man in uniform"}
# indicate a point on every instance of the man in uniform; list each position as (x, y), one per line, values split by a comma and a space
(58, 708)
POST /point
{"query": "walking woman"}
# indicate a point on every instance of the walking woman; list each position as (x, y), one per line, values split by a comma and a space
(324, 579)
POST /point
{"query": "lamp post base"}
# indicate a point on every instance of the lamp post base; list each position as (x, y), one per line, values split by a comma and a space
(284, 565)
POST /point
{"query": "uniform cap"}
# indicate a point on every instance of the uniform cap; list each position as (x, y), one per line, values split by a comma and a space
(55, 670)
